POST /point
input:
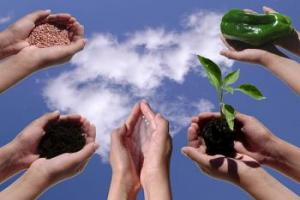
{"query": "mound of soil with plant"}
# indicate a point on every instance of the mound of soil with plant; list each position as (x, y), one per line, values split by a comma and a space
(218, 137)
(61, 137)
(48, 35)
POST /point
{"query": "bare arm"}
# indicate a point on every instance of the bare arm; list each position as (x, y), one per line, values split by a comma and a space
(285, 158)
(285, 69)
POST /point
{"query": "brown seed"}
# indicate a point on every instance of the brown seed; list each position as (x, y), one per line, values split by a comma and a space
(48, 35)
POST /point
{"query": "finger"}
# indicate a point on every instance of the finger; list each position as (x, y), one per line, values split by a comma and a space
(234, 55)
(242, 117)
(162, 124)
(75, 46)
(148, 113)
(38, 15)
(193, 132)
(71, 117)
(195, 119)
(116, 136)
(77, 30)
(249, 11)
(91, 133)
(84, 154)
(46, 118)
(268, 10)
(59, 18)
(239, 147)
(196, 156)
(133, 117)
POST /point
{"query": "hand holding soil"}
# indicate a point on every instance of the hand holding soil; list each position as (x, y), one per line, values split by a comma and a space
(66, 164)
(68, 134)
(236, 169)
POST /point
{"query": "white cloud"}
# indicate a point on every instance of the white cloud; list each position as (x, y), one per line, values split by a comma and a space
(4, 20)
(111, 74)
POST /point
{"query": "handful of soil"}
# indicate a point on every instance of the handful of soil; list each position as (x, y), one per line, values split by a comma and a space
(219, 138)
(48, 35)
(61, 137)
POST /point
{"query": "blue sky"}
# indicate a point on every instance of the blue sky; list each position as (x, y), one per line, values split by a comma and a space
(120, 19)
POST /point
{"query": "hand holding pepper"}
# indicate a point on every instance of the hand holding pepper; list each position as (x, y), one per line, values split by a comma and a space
(269, 56)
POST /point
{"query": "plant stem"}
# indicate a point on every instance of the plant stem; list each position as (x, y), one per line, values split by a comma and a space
(221, 101)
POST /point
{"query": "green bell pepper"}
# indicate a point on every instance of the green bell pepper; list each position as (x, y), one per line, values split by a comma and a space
(255, 29)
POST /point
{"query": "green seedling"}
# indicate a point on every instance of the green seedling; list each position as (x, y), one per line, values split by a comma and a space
(224, 86)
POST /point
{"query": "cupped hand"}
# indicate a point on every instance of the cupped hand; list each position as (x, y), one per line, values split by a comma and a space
(235, 170)
(157, 146)
(123, 159)
(37, 58)
(17, 33)
(27, 141)
(240, 51)
(44, 57)
(68, 164)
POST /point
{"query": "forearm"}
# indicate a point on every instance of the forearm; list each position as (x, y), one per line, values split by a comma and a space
(262, 186)
(120, 189)
(157, 186)
(9, 162)
(12, 70)
(285, 69)
(285, 158)
(26, 187)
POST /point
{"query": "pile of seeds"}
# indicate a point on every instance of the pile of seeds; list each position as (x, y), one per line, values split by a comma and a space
(47, 35)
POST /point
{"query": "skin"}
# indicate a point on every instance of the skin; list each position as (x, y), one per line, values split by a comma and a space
(269, 56)
(245, 168)
(42, 173)
(153, 174)
(21, 59)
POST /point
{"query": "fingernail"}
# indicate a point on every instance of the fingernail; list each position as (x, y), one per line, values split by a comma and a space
(144, 101)
(183, 153)
(56, 112)
(48, 11)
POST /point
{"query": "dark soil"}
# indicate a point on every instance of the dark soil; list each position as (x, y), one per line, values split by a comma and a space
(218, 137)
(61, 137)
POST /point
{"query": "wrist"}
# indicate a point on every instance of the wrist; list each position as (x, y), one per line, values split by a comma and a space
(122, 188)
(10, 158)
(153, 175)
(5, 38)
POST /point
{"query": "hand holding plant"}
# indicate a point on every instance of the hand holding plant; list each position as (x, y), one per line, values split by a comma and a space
(219, 134)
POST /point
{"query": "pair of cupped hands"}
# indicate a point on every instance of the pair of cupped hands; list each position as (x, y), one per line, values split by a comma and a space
(246, 53)
(14, 43)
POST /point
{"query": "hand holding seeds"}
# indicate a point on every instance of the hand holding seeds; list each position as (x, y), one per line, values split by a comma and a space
(53, 40)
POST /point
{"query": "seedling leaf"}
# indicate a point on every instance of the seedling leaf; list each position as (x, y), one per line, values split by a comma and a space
(213, 72)
(229, 89)
(231, 77)
(251, 91)
(229, 113)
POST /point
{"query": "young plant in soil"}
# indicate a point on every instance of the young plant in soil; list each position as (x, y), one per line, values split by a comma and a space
(61, 137)
(219, 134)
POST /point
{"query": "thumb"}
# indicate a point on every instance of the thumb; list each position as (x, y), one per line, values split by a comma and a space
(75, 46)
(231, 54)
(195, 155)
(43, 121)
(268, 10)
(38, 15)
(85, 153)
